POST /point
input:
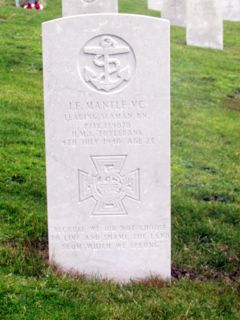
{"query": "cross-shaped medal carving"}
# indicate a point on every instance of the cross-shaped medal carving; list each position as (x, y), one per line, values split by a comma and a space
(108, 186)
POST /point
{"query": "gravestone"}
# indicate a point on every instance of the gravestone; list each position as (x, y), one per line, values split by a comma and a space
(155, 5)
(17, 3)
(75, 7)
(231, 10)
(174, 11)
(205, 23)
(107, 120)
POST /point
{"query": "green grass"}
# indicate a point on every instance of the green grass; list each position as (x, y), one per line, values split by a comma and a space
(205, 187)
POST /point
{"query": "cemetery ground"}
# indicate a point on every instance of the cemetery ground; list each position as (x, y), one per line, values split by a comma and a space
(205, 88)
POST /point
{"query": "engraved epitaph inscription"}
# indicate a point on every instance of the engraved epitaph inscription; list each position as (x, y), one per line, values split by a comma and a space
(109, 187)
(106, 63)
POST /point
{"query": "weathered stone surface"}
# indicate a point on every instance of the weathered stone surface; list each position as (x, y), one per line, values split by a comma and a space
(107, 120)
(174, 11)
(75, 7)
(155, 4)
(205, 23)
(231, 10)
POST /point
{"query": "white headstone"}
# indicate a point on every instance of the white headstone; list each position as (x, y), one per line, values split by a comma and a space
(17, 3)
(75, 7)
(231, 10)
(205, 23)
(174, 11)
(155, 5)
(107, 120)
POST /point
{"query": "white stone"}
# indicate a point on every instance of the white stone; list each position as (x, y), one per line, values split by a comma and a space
(75, 7)
(174, 11)
(205, 23)
(107, 120)
(155, 5)
(231, 10)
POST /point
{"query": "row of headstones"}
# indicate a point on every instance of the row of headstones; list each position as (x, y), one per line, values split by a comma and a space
(174, 10)
(203, 18)
(231, 8)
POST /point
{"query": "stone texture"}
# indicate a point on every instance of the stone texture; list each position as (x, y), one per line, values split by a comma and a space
(155, 5)
(231, 10)
(174, 11)
(75, 7)
(205, 23)
(107, 122)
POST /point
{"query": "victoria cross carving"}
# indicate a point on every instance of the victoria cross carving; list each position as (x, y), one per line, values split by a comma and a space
(110, 63)
(108, 186)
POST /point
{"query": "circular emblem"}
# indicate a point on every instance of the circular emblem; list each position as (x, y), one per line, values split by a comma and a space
(106, 63)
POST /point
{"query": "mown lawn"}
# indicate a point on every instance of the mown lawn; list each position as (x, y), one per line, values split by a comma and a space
(205, 187)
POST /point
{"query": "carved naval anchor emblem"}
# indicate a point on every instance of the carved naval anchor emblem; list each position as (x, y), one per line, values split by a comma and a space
(108, 187)
(107, 71)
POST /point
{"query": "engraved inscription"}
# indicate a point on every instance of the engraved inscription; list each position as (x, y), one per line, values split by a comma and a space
(108, 122)
(117, 237)
(109, 187)
(106, 63)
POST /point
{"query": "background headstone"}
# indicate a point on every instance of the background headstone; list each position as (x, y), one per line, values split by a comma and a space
(107, 120)
(174, 11)
(205, 23)
(75, 7)
(231, 10)
(155, 4)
